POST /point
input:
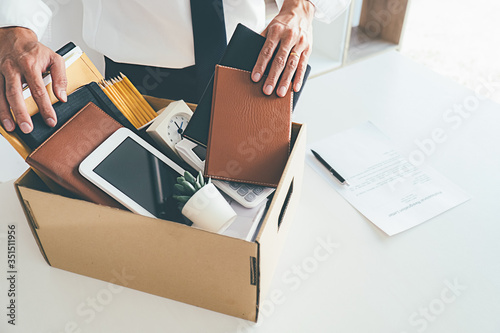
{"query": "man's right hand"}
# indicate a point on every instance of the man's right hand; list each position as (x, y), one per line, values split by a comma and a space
(24, 59)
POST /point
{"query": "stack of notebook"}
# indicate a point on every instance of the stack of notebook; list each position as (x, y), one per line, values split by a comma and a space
(94, 110)
(60, 155)
(242, 52)
(247, 133)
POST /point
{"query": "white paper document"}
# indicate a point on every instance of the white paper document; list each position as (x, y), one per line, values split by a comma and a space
(383, 185)
(247, 224)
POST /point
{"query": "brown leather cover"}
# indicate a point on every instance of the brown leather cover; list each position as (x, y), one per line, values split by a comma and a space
(61, 154)
(249, 137)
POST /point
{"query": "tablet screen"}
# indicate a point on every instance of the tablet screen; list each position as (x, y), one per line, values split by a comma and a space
(141, 176)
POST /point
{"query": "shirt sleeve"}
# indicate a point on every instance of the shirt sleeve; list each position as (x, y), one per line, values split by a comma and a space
(32, 14)
(326, 10)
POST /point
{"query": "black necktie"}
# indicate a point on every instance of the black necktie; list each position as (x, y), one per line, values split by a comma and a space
(209, 32)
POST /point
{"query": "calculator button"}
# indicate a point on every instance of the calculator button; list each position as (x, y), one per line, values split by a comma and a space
(234, 185)
(243, 190)
(250, 197)
(258, 190)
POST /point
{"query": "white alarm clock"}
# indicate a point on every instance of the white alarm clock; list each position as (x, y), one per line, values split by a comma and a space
(167, 128)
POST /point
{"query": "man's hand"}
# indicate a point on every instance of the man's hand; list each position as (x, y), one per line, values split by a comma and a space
(291, 33)
(24, 59)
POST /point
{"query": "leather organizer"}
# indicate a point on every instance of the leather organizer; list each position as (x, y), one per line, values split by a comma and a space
(249, 136)
(61, 154)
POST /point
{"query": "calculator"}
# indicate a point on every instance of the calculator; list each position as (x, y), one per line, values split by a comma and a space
(248, 195)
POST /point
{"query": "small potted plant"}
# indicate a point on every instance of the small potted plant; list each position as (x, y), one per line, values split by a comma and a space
(202, 203)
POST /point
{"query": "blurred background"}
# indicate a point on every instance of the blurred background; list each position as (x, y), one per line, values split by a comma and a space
(456, 38)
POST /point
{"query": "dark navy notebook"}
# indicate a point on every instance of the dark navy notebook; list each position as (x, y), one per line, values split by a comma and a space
(242, 53)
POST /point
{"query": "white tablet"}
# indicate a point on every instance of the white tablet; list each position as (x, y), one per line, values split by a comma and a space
(134, 173)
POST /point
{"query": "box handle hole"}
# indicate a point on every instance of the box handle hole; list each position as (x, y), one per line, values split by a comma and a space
(31, 216)
(285, 204)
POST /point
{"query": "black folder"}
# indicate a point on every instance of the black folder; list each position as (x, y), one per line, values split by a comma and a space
(64, 111)
(242, 53)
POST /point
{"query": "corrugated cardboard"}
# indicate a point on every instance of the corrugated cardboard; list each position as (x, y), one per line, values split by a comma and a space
(168, 259)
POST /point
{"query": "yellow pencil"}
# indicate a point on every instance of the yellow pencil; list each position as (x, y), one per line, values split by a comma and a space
(139, 95)
(120, 104)
(132, 114)
(133, 104)
(129, 102)
(145, 111)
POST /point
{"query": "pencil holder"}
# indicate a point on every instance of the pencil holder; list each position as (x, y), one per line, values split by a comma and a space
(208, 210)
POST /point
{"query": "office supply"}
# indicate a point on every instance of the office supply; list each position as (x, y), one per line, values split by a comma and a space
(249, 139)
(76, 101)
(60, 155)
(128, 100)
(192, 153)
(247, 195)
(78, 67)
(329, 168)
(134, 173)
(167, 128)
(242, 53)
(70, 53)
(385, 187)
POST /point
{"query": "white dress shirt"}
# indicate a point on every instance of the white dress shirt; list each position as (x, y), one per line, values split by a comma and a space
(148, 32)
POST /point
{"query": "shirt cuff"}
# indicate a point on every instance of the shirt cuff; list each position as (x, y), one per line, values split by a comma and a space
(328, 10)
(32, 14)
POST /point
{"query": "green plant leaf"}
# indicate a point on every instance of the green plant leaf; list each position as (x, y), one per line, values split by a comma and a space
(189, 177)
(200, 179)
(180, 180)
(189, 188)
(180, 188)
(182, 198)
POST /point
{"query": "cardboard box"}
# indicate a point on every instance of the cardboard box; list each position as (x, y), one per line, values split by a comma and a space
(163, 258)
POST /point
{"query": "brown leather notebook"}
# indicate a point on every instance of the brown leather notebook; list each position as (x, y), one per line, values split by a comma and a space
(61, 154)
(249, 136)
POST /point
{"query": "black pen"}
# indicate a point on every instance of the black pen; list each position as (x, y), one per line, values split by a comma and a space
(332, 171)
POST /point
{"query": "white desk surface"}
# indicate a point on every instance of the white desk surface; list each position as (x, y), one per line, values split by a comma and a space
(369, 282)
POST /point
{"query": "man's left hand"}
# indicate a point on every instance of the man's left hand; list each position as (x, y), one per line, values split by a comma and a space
(289, 35)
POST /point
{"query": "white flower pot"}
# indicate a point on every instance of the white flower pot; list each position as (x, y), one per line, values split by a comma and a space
(208, 210)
